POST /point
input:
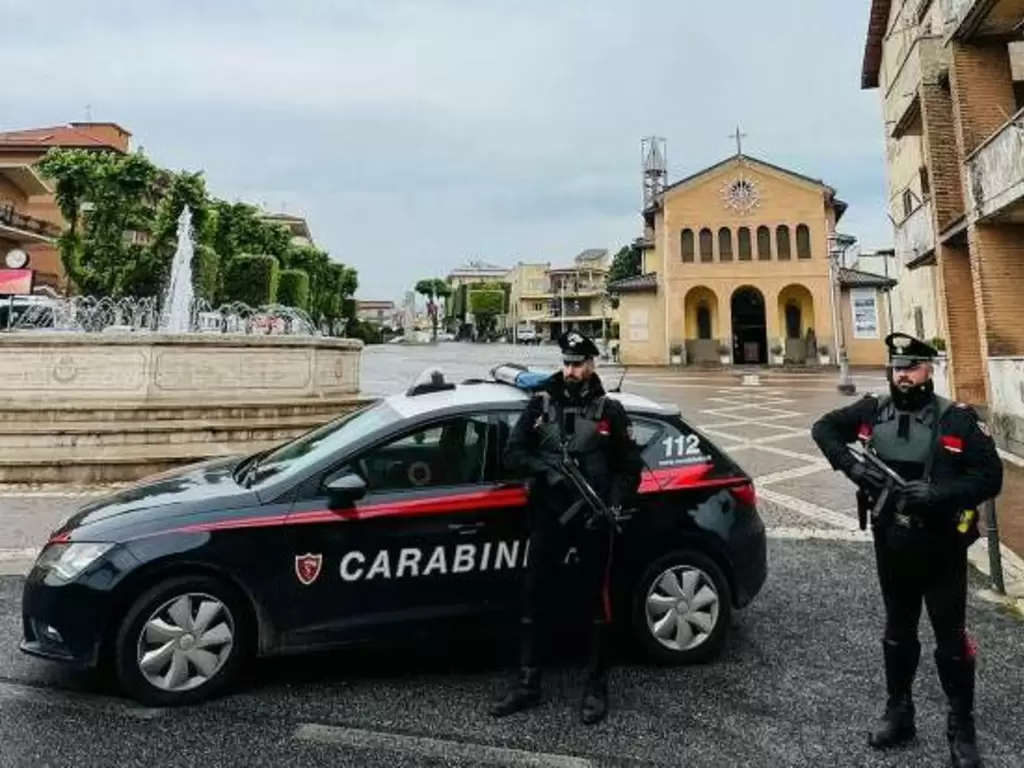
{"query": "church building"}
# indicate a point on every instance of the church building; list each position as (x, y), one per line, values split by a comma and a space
(736, 270)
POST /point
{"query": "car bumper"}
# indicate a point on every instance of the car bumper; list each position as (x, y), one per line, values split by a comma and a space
(62, 622)
(749, 554)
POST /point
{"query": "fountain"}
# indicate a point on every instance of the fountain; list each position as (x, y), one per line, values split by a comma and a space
(177, 308)
(114, 389)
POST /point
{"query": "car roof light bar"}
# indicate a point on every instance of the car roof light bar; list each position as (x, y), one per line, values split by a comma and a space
(520, 377)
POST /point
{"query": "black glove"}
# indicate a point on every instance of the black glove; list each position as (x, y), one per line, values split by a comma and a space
(920, 494)
(865, 476)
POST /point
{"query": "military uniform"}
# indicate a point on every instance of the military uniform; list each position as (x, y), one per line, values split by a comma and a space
(951, 465)
(597, 431)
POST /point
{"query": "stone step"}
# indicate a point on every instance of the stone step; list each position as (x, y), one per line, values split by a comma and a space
(110, 464)
(255, 411)
(86, 434)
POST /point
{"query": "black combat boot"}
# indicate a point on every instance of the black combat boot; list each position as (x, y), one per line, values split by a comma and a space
(594, 706)
(525, 690)
(897, 724)
(957, 677)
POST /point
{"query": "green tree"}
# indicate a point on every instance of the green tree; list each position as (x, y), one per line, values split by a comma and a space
(628, 262)
(293, 289)
(434, 289)
(487, 302)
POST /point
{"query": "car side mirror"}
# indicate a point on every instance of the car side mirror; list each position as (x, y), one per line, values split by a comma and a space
(345, 488)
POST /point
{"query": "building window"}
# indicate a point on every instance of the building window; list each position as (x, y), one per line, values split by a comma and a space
(686, 245)
(919, 322)
(764, 244)
(703, 321)
(864, 308)
(908, 202)
(926, 185)
(725, 244)
(744, 242)
(707, 245)
(803, 242)
(782, 236)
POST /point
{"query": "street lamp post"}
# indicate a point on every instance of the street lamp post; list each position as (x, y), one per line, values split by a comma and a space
(837, 246)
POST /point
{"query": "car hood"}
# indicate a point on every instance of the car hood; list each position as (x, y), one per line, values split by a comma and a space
(180, 491)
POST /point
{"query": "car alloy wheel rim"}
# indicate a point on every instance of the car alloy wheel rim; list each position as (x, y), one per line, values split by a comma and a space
(682, 608)
(185, 642)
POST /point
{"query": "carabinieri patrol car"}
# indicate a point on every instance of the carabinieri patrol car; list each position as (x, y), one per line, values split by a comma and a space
(396, 519)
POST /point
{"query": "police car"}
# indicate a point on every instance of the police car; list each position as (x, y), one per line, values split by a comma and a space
(391, 521)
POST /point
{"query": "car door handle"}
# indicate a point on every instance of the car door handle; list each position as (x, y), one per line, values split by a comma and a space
(465, 527)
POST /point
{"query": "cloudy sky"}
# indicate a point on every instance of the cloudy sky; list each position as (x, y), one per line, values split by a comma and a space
(417, 134)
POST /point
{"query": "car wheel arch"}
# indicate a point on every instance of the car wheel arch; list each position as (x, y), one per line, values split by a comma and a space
(658, 545)
(151, 574)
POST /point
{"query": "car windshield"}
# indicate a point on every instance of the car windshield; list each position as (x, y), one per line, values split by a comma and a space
(310, 448)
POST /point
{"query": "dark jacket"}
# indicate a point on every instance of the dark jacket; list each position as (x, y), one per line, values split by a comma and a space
(614, 473)
(966, 469)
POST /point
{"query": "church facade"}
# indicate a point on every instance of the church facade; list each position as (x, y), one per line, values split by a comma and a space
(736, 270)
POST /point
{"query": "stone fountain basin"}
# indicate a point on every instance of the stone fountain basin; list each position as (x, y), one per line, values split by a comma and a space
(53, 368)
(86, 408)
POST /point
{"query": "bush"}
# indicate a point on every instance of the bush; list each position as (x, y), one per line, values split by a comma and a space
(293, 289)
(207, 272)
(252, 280)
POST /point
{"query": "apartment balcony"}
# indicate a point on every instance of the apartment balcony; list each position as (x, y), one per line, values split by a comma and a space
(922, 59)
(995, 173)
(572, 290)
(967, 20)
(915, 235)
(26, 229)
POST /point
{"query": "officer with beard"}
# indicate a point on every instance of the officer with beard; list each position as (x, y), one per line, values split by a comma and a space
(950, 462)
(572, 407)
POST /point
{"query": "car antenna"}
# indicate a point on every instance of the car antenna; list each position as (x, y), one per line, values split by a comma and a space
(618, 387)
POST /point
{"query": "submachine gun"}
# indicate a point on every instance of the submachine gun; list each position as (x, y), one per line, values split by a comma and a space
(885, 484)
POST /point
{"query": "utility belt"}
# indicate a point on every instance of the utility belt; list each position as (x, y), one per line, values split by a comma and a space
(893, 514)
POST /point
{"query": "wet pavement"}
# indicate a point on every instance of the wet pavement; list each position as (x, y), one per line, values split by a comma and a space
(797, 685)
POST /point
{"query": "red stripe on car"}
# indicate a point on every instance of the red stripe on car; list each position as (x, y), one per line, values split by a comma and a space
(671, 479)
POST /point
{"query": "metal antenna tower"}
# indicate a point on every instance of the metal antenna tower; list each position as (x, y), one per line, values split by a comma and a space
(654, 160)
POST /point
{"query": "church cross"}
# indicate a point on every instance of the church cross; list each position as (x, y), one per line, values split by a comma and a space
(739, 137)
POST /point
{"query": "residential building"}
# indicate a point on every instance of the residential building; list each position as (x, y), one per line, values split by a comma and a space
(377, 312)
(21, 233)
(951, 82)
(25, 148)
(297, 225)
(737, 269)
(530, 295)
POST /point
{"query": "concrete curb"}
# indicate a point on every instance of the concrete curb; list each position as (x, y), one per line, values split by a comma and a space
(1013, 574)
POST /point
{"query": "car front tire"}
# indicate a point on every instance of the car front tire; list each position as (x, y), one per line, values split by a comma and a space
(681, 608)
(182, 641)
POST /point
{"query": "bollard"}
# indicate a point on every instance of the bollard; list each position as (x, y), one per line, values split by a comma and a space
(995, 555)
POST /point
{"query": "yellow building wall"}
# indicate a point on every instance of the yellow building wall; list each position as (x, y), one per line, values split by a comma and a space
(783, 200)
(866, 352)
(642, 329)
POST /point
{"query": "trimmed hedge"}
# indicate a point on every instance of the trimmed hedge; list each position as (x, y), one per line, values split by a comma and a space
(293, 289)
(252, 279)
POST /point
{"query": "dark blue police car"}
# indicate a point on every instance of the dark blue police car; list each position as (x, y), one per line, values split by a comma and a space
(395, 519)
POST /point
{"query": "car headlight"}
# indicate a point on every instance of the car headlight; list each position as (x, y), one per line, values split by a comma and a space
(68, 560)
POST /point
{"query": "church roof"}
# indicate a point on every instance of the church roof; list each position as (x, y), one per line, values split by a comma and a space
(839, 205)
(855, 278)
(645, 283)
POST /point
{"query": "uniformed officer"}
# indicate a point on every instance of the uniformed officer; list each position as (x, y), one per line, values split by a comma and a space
(571, 407)
(950, 462)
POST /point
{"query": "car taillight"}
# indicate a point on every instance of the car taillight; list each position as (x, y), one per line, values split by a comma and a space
(745, 494)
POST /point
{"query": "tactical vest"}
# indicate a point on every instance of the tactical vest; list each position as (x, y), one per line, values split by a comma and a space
(907, 440)
(585, 429)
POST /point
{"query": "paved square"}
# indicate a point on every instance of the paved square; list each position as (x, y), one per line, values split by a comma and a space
(798, 684)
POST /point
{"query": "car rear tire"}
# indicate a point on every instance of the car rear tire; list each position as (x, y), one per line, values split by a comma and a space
(681, 608)
(182, 641)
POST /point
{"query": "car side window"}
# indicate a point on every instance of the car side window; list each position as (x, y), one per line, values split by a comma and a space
(666, 444)
(451, 452)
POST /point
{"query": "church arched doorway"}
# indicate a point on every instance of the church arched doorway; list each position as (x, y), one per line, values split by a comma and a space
(749, 327)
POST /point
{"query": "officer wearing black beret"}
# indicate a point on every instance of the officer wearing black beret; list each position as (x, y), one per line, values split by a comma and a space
(946, 454)
(573, 411)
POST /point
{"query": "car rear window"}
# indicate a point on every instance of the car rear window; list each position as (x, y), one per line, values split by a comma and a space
(668, 443)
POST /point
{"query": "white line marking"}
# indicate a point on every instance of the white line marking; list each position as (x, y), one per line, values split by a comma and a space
(423, 746)
(51, 697)
(805, 508)
(824, 534)
(791, 474)
(18, 554)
